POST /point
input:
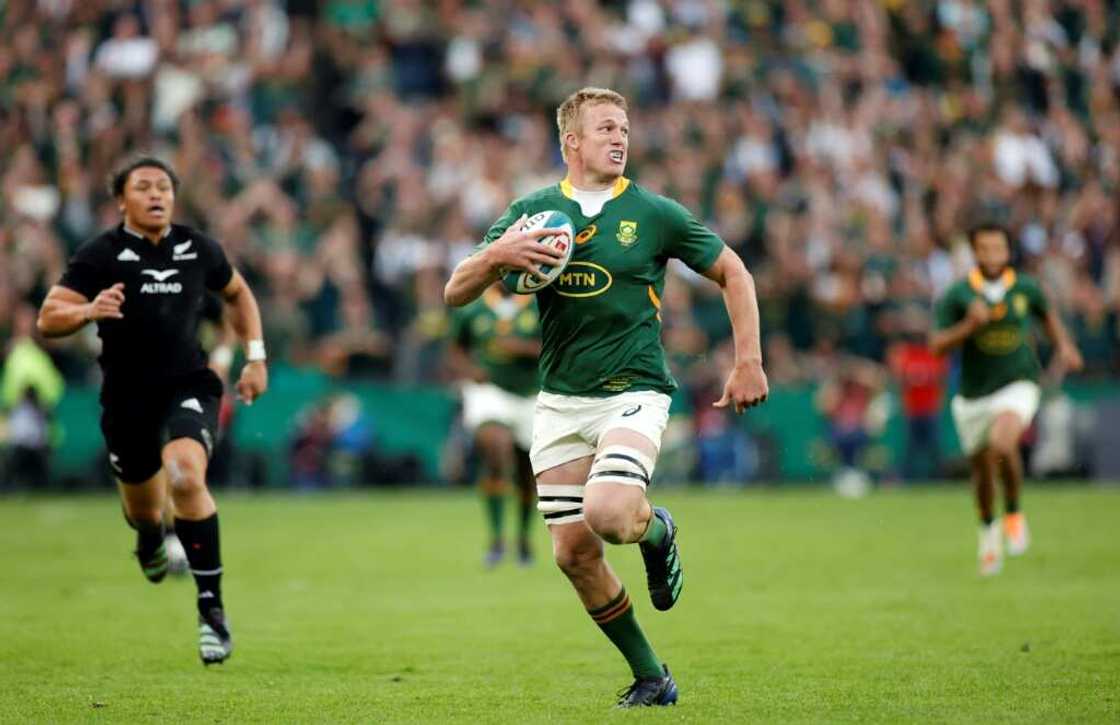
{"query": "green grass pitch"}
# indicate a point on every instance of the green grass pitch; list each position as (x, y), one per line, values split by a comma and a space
(798, 607)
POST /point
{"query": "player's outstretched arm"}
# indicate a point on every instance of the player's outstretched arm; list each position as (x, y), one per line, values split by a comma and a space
(1067, 356)
(948, 338)
(245, 316)
(747, 385)
(515, 249)
(66, 311)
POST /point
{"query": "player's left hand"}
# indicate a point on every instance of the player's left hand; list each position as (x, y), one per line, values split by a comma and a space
(745, 388)
(253, 382)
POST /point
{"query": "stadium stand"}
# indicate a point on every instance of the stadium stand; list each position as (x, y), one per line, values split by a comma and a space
(349, 152)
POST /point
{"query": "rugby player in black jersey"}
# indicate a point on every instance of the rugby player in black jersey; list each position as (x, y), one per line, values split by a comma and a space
(143, 283)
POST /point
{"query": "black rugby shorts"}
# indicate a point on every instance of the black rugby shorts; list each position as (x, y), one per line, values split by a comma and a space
(139, 421)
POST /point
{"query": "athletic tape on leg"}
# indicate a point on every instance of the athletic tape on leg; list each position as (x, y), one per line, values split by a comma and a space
(560, 504)
(621, 464)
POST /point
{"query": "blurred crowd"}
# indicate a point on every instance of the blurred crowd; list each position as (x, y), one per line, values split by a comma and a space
(348, 153)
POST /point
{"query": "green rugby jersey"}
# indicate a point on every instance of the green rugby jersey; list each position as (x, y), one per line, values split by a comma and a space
(999, 353)
(477, 327)
(600, 320)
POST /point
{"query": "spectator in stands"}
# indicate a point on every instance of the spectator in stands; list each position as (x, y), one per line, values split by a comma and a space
(355, 149)
(921, 377)
(848, 400)
(30, 387)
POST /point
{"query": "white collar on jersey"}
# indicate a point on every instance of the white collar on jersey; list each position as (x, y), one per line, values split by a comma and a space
(140, 235)
(992, 290)
(592, 202)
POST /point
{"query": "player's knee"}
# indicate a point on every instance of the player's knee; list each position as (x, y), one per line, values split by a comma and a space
(495, 436)
(1004, 440)
(1000, 447)
(577, 559)
(616, 492)
(610, 523)
(185, 474)
(1005, 434)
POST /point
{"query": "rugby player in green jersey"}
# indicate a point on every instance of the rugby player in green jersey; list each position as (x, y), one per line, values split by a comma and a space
(605, 383)
(989, 316)
(495, 345)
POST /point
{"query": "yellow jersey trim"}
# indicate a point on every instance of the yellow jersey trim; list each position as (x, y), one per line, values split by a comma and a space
(620, 185)
(655, 300)
(976, 279)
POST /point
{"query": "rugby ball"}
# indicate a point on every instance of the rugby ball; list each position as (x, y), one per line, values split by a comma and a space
(521, 282)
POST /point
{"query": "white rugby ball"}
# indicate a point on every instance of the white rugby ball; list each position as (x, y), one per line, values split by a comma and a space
(524, 283)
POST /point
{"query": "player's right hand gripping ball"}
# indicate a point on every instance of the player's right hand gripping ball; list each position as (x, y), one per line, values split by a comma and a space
(524, 283)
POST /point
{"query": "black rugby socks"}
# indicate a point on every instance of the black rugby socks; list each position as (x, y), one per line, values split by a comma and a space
(200, 539)
(149, 536)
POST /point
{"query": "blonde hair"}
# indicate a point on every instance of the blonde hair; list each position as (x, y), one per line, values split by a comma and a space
(567, 115)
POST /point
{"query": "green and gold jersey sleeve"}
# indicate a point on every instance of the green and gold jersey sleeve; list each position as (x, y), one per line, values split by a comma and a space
(687, 239)
(951, 307)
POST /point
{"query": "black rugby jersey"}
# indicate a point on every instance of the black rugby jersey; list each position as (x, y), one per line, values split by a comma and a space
(165, 286)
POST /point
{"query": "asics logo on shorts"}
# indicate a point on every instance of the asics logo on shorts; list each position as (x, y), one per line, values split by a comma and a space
(631, 411)
(191, 404)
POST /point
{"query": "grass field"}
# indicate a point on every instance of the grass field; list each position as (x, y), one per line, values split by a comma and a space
(798, 606)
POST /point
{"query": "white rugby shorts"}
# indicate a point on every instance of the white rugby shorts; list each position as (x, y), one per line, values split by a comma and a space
(974, 416)
(487, 403)
(569, 427)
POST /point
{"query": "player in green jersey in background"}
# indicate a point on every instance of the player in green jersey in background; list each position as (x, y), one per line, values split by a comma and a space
(495, 345)
(989, 316)
(605, 383)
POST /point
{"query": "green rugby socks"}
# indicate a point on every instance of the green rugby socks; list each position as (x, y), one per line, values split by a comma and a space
(656, 531)
(495, 509)
(527, 507)
(618, 622)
